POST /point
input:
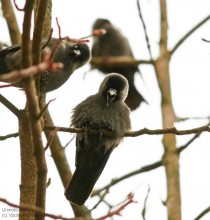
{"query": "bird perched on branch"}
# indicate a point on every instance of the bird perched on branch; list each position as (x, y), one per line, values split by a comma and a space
(114, 44)
(73, 55)
(104, 111)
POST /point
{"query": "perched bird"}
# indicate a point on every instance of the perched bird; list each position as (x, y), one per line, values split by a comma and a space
(104, 111)
(114, 44)
(72, 55)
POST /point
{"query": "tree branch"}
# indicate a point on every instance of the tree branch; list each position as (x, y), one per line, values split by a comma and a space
(171, 157)
(38, 211)
(33, 109)
(190, 32)
(138, 171)
(18, 75)
(13, 135)
(142, 169)
(117, 211)
(145, 30)
(121, 61)
(145, 203)
(140, 132)
(9, 15)
(37, 35)
(9, 105)
(204, 212)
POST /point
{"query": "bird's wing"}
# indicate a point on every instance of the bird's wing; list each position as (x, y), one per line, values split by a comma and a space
(11, 49)
(6, 58)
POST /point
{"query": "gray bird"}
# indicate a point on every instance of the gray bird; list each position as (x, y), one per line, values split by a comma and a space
(72, 55)
(104, 111)
(113, 43)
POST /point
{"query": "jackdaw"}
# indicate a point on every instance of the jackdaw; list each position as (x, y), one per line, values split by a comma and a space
(104, 111)
(72, 55)
(113, 43)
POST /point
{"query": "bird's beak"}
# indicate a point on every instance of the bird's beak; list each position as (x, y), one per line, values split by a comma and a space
(111, 94)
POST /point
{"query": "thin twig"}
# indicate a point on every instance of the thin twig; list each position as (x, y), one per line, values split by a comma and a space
(145, 29)
(188, 34)
(96, 33)
(145, 202)
(11, 20)
(48, 39)
(52, 135)
(9, 105)
(44, 109)
(59, 28)
(34, 209)
(100, 200)
(18, 75)
(138, 171)
(180, 149)
(7, 85)
(204, 212)
(142, 169)
(122, 61)
(13, 135)
(17, 7)
(117, 211)
(207, 41)
(67, 144)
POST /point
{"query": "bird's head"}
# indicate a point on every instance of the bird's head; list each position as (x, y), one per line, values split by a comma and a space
(73, 55)
(102, 23)
(114, 88)
(79, 53)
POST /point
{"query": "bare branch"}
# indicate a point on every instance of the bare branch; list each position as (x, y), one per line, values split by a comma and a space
(145, 29)
(9, 15)
(45, 108)
(59, 28)
(96, 33)
(140, 132)
(204, 212)
(100, 200)
(117, 211)
(50, 140)
(17, 7)
(138, 171)
(39, 211)
(180, 149)
(145, 202)
(40, 16)
(205, 40)
(32, 106)
(13, 135)
(49, 38)
(9, 105)
(171, 157)
(121, 61)
(18, 75)
(142, 169)
(190, 32)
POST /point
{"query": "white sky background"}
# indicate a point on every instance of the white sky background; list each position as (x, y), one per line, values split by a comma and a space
(190, 80)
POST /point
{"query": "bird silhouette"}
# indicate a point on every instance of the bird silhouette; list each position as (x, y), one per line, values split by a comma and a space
(114, 44)
(104, 111)
(72, 55)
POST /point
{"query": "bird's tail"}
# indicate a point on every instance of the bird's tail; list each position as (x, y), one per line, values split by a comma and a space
(89, 167)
